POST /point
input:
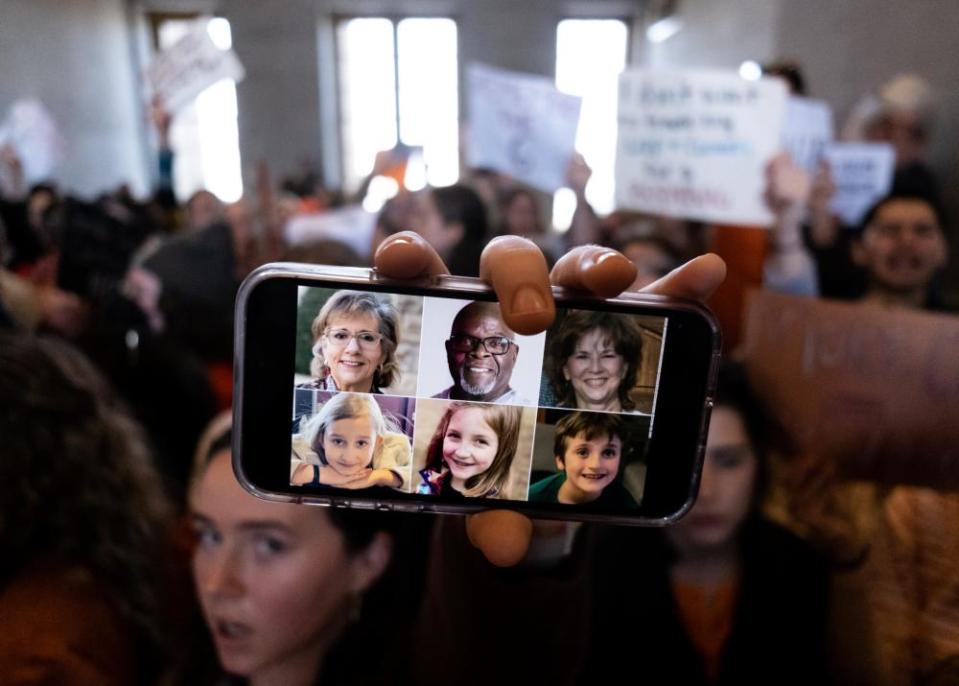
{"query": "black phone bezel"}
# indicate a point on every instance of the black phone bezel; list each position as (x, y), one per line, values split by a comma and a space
(263, 395)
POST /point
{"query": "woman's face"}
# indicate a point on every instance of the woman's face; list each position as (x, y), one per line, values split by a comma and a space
(470, 444)
(726, 489)
(274, 579)
(595, 371)
(348, 445)
(521, 216)
(352, 357)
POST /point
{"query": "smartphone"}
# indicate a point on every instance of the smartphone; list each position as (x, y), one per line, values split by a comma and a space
(353, 390)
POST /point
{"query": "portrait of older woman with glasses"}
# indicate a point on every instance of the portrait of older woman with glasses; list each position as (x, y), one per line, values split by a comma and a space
(355, 336)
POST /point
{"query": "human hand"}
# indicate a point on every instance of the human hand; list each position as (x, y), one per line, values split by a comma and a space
(64, 312)
(788, 186)
(823, 223)
(516, 269)
(578, 174)
(358, 479)
(161, 118)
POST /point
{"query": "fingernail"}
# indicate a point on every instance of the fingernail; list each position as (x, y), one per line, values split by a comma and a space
(591, 259)
(400, 240)
(527, 300)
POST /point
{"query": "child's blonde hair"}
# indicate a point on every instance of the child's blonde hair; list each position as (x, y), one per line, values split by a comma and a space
(345, 406)
(505, 421)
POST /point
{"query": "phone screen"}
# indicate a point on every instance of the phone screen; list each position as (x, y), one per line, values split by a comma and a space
(436, 398)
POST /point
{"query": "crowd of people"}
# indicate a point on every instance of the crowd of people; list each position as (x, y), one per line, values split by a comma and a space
(130, 554)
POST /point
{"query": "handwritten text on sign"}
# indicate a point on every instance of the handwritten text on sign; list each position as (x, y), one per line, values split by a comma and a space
(191, 65)
(862, 173)
(807, 130)
(521, 125)
(694, 144)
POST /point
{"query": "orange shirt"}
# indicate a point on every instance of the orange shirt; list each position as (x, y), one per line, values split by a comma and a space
(707, 615)
(744, 250)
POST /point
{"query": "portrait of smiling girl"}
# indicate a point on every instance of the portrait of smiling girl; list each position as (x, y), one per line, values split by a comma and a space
(472, 450)
(350, 443)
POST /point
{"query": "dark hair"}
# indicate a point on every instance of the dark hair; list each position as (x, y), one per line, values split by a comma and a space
(907, 192)
(77, 482)
(790, 72)
(626, 338)
(395, 214)
(459, 204)
(592, 425)
(764, 432)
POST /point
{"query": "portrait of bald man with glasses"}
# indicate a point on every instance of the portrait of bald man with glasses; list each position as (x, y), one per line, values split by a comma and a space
(481, 352)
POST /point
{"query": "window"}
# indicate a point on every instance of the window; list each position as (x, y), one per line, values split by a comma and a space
(590, 54)
(204, 134)
(398, 84)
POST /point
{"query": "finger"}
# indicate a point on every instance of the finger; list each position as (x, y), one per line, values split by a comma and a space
(407, 255)
(697, 279)
(503, 536)
(517, 271)
(593, 268)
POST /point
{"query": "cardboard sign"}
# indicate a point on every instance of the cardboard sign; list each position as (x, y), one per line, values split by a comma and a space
(521, 125)
(875, 389)
(191, 65)
(35, 137)
(695, 144)
(863, 174)
(351, 225)
(807, 130)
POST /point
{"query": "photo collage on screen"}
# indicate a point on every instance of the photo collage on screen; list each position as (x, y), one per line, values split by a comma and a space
(438, 397)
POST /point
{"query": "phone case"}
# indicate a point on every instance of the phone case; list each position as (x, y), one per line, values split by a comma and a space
(464, 288)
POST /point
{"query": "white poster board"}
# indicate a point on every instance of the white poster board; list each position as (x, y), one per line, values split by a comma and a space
(807, 130)
(521, 125)
(695, 144)
(34, 135)
(862, 173)
(351, 225)
(191, 65)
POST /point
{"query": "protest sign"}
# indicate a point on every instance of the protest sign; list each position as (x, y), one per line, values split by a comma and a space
(807, 130)
(350, 225)
(521, 125)
(35, 137)
(874, 389)
(862, 173)
(695, 144)
(191, 65)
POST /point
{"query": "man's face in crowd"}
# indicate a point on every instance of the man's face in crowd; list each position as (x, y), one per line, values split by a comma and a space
(903, 247)
(480, 374)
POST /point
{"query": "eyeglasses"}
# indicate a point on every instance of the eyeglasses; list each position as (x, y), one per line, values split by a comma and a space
(494, 345)
(367, 340)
